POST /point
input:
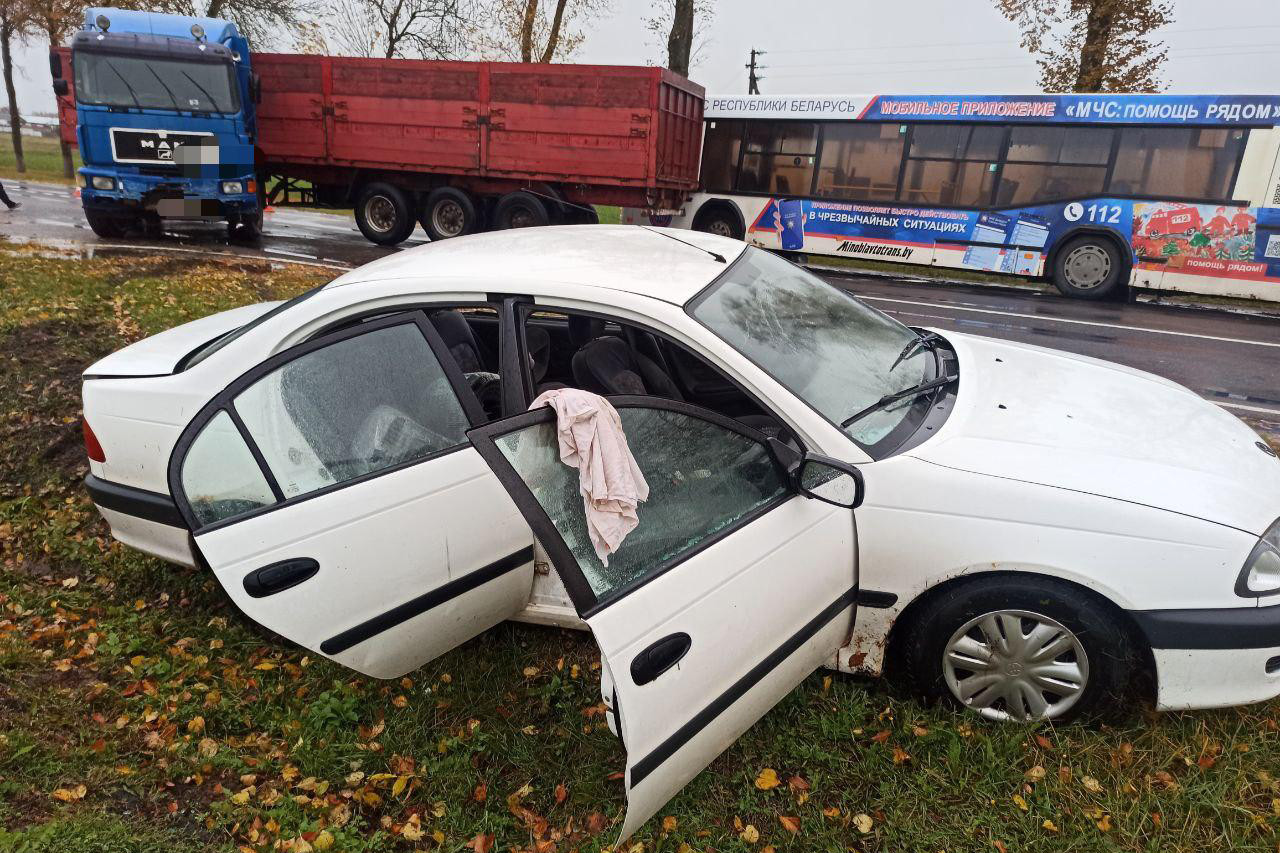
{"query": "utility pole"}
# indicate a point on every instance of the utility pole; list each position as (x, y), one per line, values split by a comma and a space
(753, 79)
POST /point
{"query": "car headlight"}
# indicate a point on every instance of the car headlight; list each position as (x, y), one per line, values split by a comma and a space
(232, 187)
(1261, 573)
(103, 182)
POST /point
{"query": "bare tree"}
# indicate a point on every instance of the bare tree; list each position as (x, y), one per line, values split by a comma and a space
(265, 23)
(1094, 45)
(56, 19)
(679, 27)
(15, 24)
(531, 31)
(428, 29)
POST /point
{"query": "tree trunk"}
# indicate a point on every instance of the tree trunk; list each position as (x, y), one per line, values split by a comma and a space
(680, 41)
(215, 8)
(526, 30)
(553, 38)
(68, 165)
(1093, 54)
(15, 118)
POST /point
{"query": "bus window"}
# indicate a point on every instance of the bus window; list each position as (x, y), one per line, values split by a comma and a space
(1177, 162)
(720, 147)
(951, 164)
(1052, 163)
(779, 158)
(860, 161)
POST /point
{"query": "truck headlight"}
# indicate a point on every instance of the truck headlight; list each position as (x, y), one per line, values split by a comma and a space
(1261, 573)
(103, 182)
(232, 188)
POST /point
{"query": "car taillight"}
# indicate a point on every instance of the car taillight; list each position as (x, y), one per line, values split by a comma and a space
(91, 445)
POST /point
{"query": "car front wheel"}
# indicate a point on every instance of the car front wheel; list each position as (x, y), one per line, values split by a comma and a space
(1020, 649)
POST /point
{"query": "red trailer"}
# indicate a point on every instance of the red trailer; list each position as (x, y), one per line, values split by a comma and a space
(461, 146)
(468, 146)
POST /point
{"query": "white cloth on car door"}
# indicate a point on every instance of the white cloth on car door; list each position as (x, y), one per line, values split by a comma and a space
(591, 439)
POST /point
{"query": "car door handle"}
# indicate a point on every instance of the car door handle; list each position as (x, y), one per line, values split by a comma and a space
(659, 657)
(280, 576)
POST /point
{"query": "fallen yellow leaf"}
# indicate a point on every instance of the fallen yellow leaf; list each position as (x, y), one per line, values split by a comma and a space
(749, 834)
(768, 779)
(863, 823)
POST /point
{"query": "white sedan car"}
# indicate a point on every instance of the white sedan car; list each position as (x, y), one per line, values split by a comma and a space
(1023, 532)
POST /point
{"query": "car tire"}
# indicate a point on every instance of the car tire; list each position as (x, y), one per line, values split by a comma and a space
(107, 226)
(520, 209)
(1089, 267)
(384, 214)
(449, 212)
(719, 220)
(948, 641)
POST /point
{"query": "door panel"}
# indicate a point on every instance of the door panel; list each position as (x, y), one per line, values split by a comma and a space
(760, 580)
(383, 545)
(333, 494)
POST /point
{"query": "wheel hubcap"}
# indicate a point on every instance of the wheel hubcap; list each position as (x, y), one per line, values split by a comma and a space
(720, 227)
(380, 213)
(448, 218)
(1015, 665)
(521, 218)
(1086, 267)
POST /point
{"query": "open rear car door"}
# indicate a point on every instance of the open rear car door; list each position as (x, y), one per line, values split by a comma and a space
(334, 495)
(731, 590)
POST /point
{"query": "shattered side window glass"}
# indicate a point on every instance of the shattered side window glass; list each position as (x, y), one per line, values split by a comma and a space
(351, 408)
(220, 476)
(702, 479)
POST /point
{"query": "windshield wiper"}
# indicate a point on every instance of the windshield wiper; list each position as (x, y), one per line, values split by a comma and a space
(132, 93)
(160, 80)
(922, 339)
(913, 391)
(211, 98)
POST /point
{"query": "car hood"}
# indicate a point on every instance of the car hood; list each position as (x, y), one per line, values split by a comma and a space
(160, 354)
(1042, 416)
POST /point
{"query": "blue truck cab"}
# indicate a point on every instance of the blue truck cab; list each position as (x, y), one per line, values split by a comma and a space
(165, 122)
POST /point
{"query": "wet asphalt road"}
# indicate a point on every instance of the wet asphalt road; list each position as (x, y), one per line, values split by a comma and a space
(1229, 357)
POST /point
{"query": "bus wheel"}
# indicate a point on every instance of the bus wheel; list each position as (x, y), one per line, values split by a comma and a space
(449, 212)
(384, 214)
(1088, 267)
(520, 209)
(719, 220)
(107, 226)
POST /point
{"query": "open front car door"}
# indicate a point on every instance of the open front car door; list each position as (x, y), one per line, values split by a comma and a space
(731, 590)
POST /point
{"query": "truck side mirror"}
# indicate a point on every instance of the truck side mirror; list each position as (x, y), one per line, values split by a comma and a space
(55, 66)
(60, 87)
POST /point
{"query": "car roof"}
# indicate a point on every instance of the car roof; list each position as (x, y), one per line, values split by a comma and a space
(664, 263)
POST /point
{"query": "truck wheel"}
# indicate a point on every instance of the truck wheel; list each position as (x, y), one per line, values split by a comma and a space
(520, 210)
(384, 214)
(449, 212)
(720, 220)
(1088, 267)
(248, 228)
(107, 226)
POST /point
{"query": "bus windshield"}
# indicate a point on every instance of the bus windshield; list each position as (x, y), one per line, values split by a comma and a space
(835, 353)
(155, 83)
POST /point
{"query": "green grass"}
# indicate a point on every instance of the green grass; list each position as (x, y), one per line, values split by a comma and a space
(191, 731)
(43, 159)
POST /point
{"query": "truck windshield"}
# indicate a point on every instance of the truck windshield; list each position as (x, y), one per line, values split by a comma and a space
(155, 83)
(835, 353)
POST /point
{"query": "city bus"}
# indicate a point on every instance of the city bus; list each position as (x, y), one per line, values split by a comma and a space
(1095, 193)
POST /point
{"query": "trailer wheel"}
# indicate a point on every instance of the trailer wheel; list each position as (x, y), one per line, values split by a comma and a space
(107, 226)
(384, 214)
(449, 212)
(520, 210)
(720, 218)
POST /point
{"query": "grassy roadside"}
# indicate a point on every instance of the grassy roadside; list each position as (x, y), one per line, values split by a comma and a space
(43, 158)
(137, 713)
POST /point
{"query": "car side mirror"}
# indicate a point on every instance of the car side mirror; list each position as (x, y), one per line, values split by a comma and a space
(55, 65)
(830, 480)
(60, 87)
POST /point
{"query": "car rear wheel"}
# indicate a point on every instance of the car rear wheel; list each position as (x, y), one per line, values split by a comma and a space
(449, 212)
(1019, 649)
(384, 214)
(1088, 267)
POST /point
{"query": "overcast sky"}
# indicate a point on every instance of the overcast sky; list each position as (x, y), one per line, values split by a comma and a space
(872, 46)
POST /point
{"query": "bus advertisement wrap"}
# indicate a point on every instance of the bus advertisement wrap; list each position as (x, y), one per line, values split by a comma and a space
(1195, 239)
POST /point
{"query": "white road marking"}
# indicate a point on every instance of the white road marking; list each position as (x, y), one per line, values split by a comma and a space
(947, 306)
(59, 222)
(212, 254)
(276, 251)
(1245, 408)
